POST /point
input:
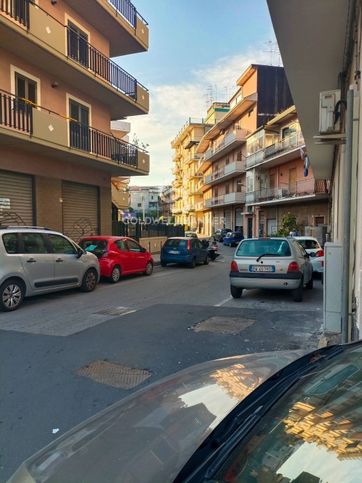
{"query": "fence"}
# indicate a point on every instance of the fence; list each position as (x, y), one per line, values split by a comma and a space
(146, 230)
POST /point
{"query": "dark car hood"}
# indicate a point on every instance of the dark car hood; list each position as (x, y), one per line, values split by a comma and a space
(150, 435)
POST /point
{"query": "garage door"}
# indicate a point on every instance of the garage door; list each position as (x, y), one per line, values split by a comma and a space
(228, 219)
(80, 210)
(16, 199)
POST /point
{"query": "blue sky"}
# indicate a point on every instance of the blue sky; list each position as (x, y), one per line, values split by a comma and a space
(198, 48)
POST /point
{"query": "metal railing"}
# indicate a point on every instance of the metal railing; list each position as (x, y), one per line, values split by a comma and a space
(239, 134)
(15, 113)
(86, 138)
(232, 168)
(300, 188)
(16, 9)
(290, 142)
(84, 53)
(127, 10)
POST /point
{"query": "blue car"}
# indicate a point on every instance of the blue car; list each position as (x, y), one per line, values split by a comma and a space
(232, 239)
(183, 250)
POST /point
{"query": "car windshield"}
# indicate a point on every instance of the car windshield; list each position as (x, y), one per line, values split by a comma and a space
(267, 247)
(175, 243)
(311, 435)
(309, 244)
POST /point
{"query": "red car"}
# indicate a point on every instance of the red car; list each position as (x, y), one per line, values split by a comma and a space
(118, 256)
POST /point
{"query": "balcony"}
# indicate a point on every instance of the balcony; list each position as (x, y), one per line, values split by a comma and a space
(302, 190)
(30, 32)
(126, 29)
(230, 142)
(47, 133)
(278, 153)
(199, 206)
(223, 200)
(228, 171)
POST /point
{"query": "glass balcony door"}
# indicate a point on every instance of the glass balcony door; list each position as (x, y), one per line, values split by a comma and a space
(79, 126)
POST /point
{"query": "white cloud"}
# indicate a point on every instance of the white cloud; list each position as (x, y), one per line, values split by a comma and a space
(172, 105)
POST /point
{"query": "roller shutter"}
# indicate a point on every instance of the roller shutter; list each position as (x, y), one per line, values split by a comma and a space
(228, 219)
(80, 210)
(16, 199)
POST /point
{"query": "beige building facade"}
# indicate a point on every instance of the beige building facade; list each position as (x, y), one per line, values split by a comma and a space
(59, 92)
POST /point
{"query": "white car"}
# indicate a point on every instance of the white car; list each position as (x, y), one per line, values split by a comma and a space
(312, 246)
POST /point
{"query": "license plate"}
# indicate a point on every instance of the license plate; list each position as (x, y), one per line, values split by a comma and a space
(261, 268)
(174, 252)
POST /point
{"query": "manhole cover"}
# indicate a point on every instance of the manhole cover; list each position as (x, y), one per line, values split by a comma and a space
(115, 311)
(224, 325)
(114, 374)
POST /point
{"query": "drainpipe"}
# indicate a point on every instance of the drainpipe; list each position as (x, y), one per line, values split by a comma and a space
(347, 217)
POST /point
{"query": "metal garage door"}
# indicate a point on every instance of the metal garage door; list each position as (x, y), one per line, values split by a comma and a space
(16, 199)
(80, 210)
(228, 219)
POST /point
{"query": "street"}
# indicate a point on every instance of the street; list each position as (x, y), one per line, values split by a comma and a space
(52, 347)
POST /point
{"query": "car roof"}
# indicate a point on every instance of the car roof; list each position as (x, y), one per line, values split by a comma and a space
(306, 238)
(28, 229)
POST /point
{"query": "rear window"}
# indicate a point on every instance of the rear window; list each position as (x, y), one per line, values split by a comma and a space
(175, 243)
(270, 247)
(308, 244)
(11, 243)
(98, 247)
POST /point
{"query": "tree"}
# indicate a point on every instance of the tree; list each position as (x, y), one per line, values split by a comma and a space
(289, 224)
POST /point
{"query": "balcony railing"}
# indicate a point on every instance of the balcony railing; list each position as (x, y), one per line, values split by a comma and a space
(15, 113)
(127, 10)
(237, 136)
(289, 143)
(301, 188)
(18, 114)
(81, 51)
(229, 169)
(16, 9)
(227, 199)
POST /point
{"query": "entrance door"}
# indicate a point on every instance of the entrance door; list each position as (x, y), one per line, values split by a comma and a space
(77, 44)
(293, 180)
(272, 227)
(250, 227)
(79, 126)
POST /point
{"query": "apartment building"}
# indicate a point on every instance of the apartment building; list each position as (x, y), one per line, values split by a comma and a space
(166, 202)
(145, 200)
(262, 92)
(323, 60)
(279, 179)
(188, 179)
(59, 92)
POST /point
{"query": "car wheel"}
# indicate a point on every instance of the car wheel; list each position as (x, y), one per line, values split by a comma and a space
(163, 264)
(298, 292)
(193, 263)
(309, 285)
(89, 281)
(149, 268)
(236, 292)
(206, 261)
(116, 274)
(12, 293)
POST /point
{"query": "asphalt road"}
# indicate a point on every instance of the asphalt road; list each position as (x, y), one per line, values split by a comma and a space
(142, 322)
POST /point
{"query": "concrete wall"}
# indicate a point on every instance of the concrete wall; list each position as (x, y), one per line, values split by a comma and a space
(153, 244)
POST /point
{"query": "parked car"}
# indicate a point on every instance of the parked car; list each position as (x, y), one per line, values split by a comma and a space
(219, 234)
(271, 263)
(312, 246)
(268, 417)
(118, 256)
(37, 261)
(233, 238)
(191, 234)
(183, 250)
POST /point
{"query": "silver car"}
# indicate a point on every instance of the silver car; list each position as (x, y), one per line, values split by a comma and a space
(36, 261)
(271, 263)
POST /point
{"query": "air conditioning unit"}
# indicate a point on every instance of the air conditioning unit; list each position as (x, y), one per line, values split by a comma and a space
(328, 107)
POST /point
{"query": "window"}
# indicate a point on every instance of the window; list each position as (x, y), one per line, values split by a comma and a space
(79, 125)
(121, 245)
(33, 243)
(255, 248)
(93, 245)
(319, 220)
(25, 89)
(174, 243)
(309, 244)
(59, 244)
(77, 44)
(139, 205)
(10, 241)
(133, 246)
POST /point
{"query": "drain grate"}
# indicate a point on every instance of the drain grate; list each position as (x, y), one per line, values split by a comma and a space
(114, 374)
(223, 325)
